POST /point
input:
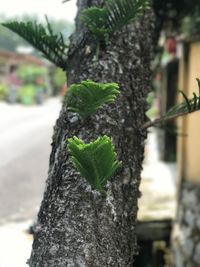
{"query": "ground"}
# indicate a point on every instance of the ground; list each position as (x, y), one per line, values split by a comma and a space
(25, 146)
(158, 186)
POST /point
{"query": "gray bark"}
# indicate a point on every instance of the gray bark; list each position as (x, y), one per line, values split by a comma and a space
(76, 226)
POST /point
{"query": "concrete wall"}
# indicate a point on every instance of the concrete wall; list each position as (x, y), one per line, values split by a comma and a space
(189, 142)
(186, 233)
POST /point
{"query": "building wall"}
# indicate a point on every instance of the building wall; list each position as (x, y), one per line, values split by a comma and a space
(189, 141)
(193, 121)
(186, 233)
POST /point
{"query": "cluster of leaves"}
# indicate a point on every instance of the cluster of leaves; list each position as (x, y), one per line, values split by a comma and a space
(42, 38)
(188, 106)
(113, 16)
(184, 108)
(96, 161)
(88, 96)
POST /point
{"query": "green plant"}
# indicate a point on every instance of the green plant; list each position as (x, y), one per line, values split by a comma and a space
(184, 108)
(42, 38)
(3, 91)
(27, 94)
(95, 161)
(59, 78)
(95, 19)
(88, 96)
(102, 22)
(30, 73)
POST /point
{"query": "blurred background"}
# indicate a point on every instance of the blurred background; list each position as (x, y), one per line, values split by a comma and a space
(31, 90)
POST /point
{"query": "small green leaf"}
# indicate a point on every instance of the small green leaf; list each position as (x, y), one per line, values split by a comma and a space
(187, 101)
(88, 96)
(96, 161)
(113, 16)
(95, 19)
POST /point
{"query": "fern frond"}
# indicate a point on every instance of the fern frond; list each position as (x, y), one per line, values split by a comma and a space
(96, 20)
(88, 96)
(51, 45)
(184, 108)
(188, 106)
(121, 12)
(117, 13)
(96, 161)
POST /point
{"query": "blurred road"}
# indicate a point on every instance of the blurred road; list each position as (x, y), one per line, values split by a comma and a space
(25, 137)
(158, 184)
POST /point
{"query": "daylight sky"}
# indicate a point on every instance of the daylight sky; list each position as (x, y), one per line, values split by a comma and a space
(52, 8)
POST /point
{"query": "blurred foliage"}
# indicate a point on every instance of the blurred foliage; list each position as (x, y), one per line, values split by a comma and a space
(10, 41)
(27, 94)
(191, 23)
(29, 73)
(63, 26)
(152, 112)
(42, 37)
(3, 91)
(59, 78)
(150, 98)
(170, 11)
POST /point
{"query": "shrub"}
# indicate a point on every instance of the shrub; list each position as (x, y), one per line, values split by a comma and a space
(27, 94)
(3, 91)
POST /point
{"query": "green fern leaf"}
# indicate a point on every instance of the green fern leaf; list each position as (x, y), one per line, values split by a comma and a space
(96, 161)
(184, 108)
(117, 13)
(88, 96)
(95, 19)
(51, 45)
(188, 106)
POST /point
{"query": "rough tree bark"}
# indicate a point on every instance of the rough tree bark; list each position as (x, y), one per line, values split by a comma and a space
(76, 226)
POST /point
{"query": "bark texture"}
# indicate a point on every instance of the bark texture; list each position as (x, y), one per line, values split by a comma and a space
(76, 226)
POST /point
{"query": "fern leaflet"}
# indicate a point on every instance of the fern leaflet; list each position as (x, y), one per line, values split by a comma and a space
(184, 108)
(88, 96)
(96, 161)
(102, 22)
(51, 45)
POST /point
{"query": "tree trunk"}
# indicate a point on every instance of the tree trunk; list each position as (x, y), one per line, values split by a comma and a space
(76, 226)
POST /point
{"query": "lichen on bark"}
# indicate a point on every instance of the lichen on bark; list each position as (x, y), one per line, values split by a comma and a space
(76, 226)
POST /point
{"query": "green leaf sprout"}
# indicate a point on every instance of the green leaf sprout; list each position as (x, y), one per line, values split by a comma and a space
(113, 16)
(88, 96)
(96, 161)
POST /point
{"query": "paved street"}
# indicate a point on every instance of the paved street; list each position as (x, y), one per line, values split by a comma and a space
(25, 137)
(24, 151)
(158, 184)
